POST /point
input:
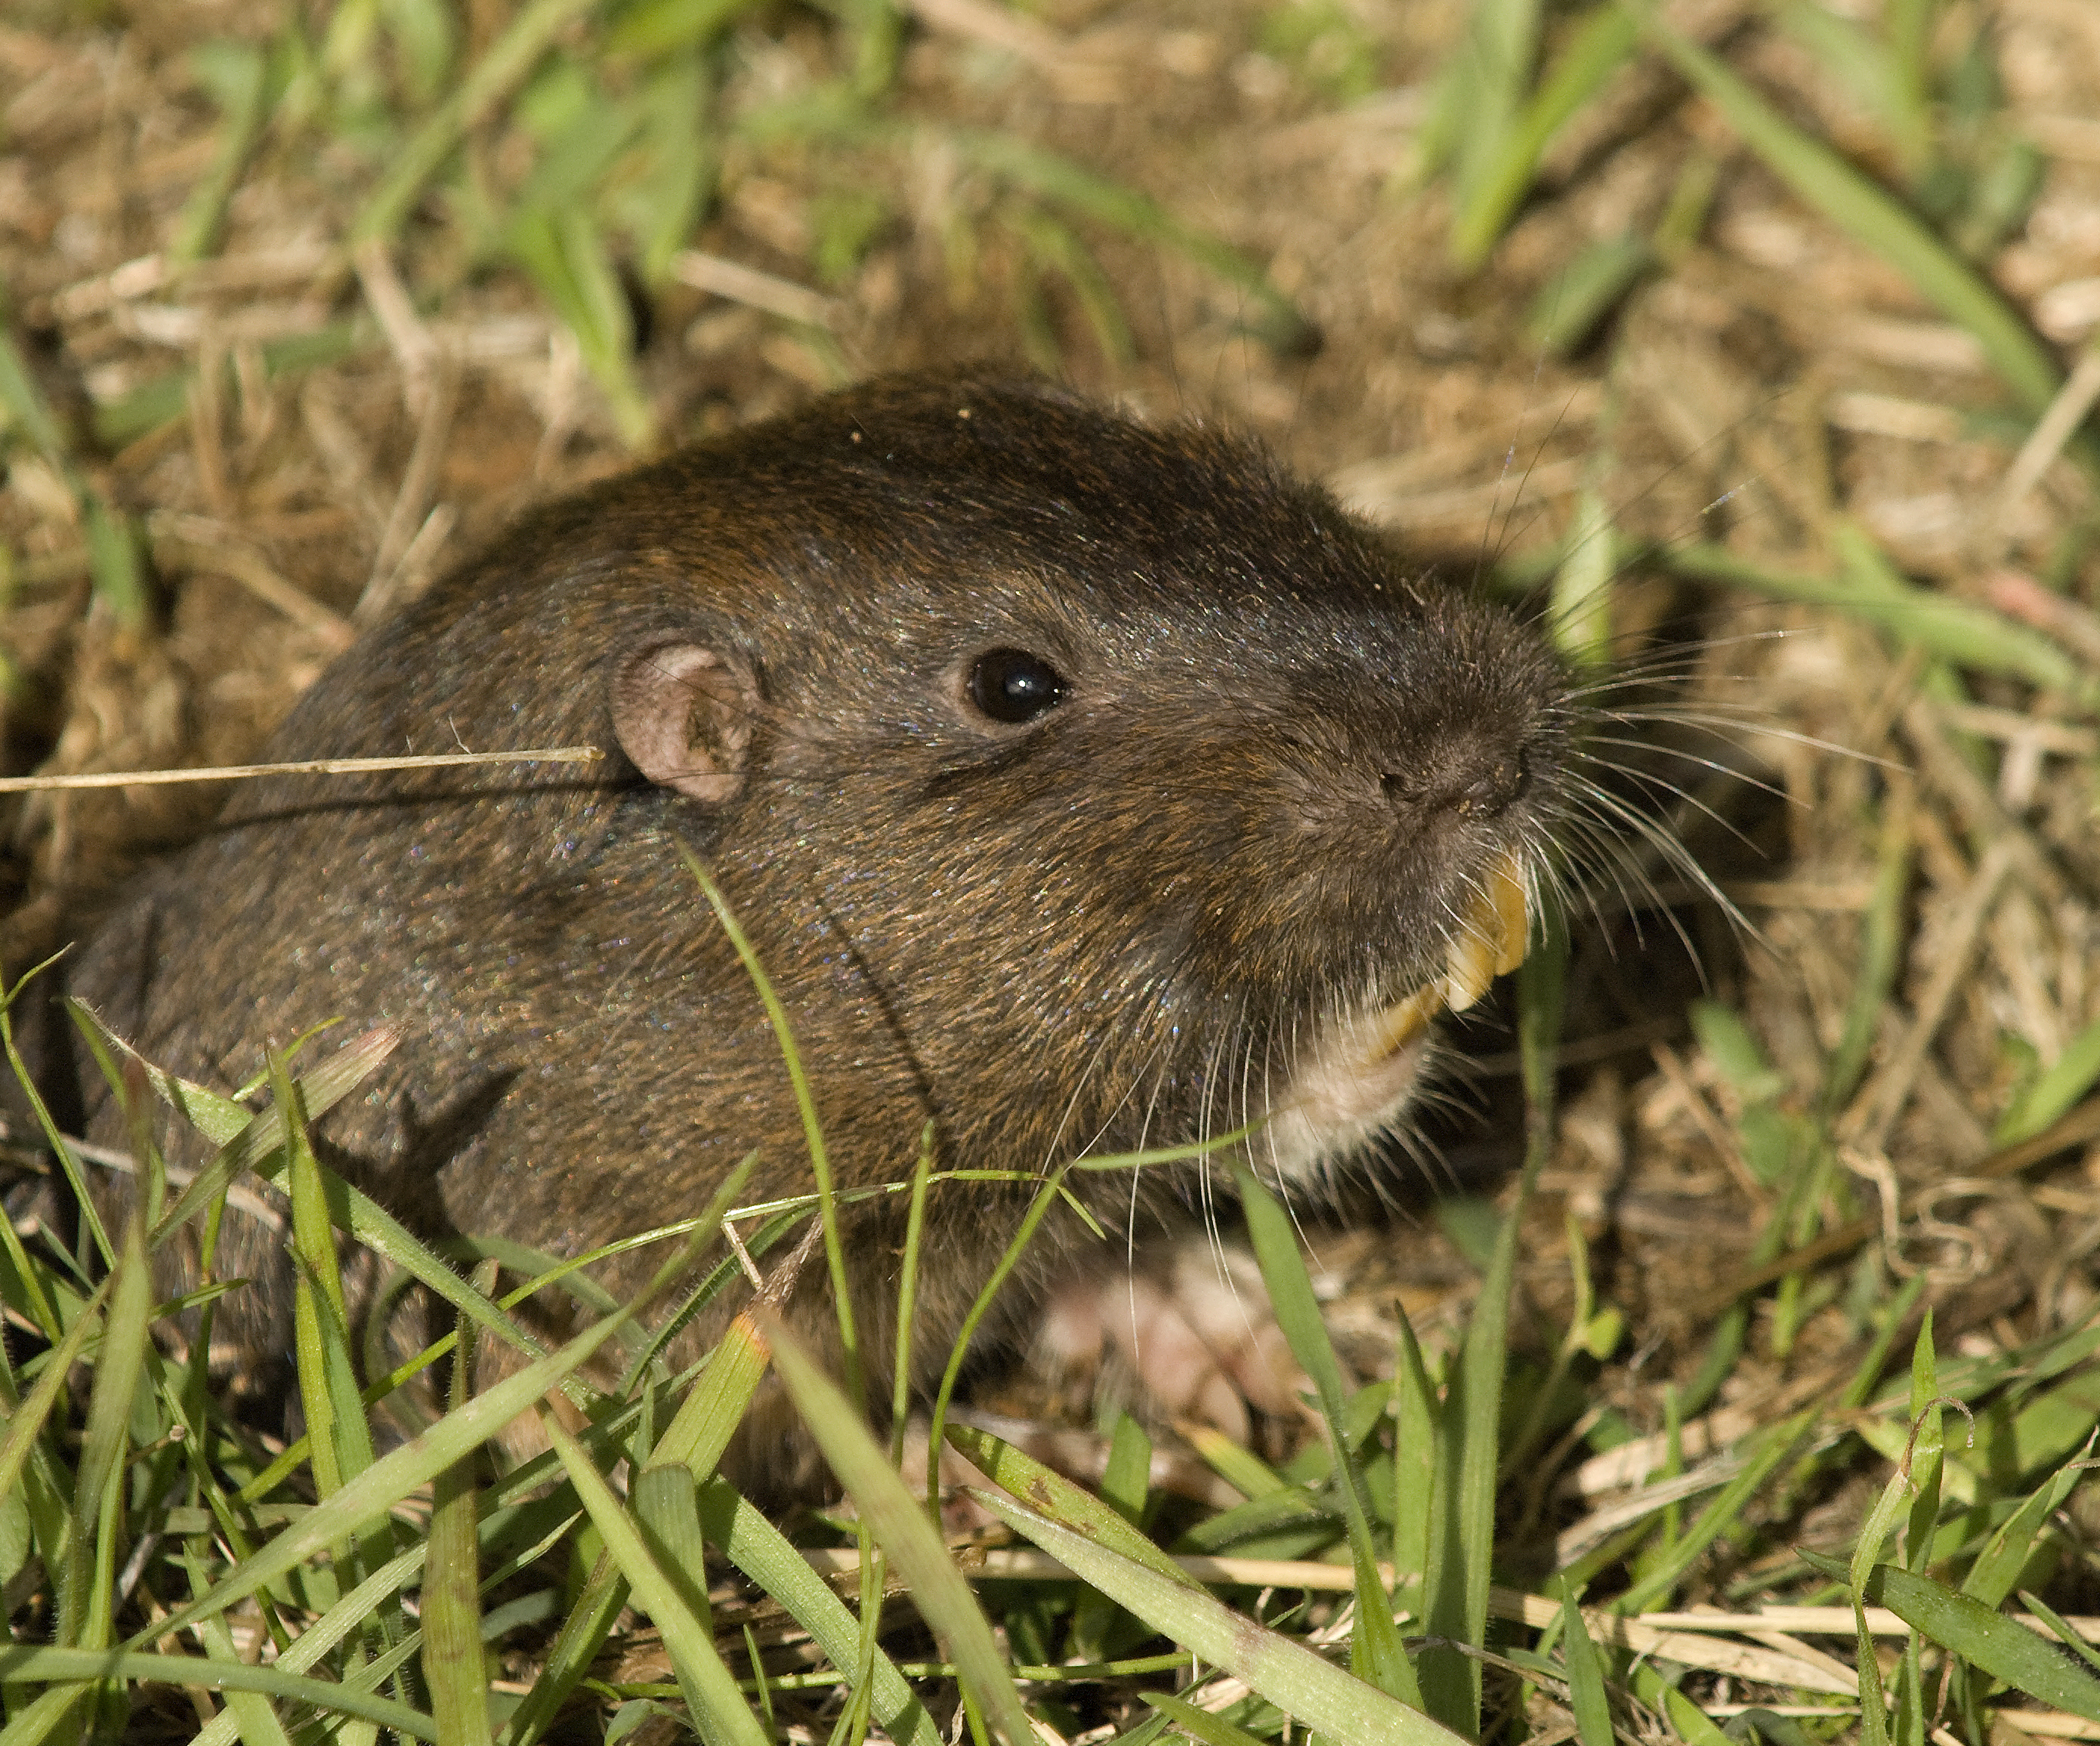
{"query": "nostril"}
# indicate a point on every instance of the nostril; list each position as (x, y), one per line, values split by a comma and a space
(1496, 788)
(1471, 781)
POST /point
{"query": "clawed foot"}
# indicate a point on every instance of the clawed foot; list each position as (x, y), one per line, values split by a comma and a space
(1190, 1323)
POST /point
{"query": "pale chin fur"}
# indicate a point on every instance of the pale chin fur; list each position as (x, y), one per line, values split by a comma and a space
(1340, 1099)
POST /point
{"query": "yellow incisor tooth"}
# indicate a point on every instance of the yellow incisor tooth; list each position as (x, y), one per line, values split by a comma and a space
(1491, 938)
(1513, 923)
(1491, 941)
(1399, 1025)
(1469, 964)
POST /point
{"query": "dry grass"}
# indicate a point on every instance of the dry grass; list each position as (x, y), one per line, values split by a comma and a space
(1770, 389)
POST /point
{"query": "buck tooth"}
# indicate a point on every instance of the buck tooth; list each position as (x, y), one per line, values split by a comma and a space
(1513, 923)
(1469, 963)
(1401, 1024)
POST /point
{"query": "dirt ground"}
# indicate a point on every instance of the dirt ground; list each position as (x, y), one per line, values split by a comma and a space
(1770, 389)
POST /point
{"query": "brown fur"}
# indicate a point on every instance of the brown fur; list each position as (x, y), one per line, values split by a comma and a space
(1282, 766)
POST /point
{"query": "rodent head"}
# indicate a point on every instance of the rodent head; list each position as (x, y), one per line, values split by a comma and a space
(1127, 783)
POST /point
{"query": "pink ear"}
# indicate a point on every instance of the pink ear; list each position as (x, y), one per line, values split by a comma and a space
(683, 714)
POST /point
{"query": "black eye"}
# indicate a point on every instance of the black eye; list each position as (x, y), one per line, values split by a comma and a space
(1012, 685)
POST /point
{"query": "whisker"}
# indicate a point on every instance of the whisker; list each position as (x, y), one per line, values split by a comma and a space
(1685, 798)
(1654, 780)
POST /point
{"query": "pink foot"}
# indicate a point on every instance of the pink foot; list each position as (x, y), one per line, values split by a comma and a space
(1193, 1323)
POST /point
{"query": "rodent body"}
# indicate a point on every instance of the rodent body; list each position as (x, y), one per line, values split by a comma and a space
(1082, 786)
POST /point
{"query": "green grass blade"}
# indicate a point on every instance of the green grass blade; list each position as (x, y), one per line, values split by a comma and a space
(1262, 1518)
(1564, 315)
(2051, 1097)
(27, 1421)
(590, 1620)
(2006, 646)
(661, 203)
(721, 1393)
(370, 1224)
(36, 1301)
(1870, 217)
(805, 1106)
(2003, 1647)
(1081, 192)
(717, 1709)
(576, 153)
(1495, 55)
(121, 1086)
(1212, 1731)
(50, 1715)
(1214, 1147)
(1957, 630)
(1126, 1480)
(1726, 1038)
(1462, 1532)
(1928, 1463)
(1598, 47)
(765, 1554)
(238, 74)
(1694, 1727)
(508, 59)
(654, 28)
(1542, 988)
(666, 1513)
(25, 406)
(1580, 604)
(1037, 1209)
(257, 1139)
(339, 1436)
(1376, 1651)
(1236, 1464)
(1053, 245)
(85, 1604)
(1990, 1578)
(452, 1654)
(1907, 26)
(2045, 1430)
(2065, 1635)
(1774, 1446)
(1125, 1488)
(340, 1440)
(115, 562)
(907, 1294)
(1587, 1696)
(696, 1436)
(565, 254)
(901, 1528)
(315, 1643)
(1882, 938)
(1845, 50)
(1057, 1497)
(1414, 1460)
(1284, 1672)
(1888, 1511)
(1887, 1515)
(248, 1716)
(165, 398)
(22, 1664)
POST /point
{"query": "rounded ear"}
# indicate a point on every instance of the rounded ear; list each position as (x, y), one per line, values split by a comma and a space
(683, 714)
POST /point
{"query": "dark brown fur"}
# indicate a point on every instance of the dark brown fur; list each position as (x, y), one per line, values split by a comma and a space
(1282, 767)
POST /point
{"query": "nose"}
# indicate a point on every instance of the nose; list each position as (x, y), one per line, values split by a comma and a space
(1463, 776)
